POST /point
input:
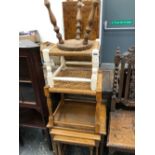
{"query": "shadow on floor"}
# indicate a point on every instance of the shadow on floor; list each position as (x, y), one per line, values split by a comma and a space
(35, 143)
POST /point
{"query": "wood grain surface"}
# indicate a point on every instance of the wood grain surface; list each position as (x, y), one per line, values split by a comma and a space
(69, 15)
(122, 130)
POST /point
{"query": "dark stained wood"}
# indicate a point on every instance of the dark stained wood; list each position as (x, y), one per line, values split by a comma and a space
(32, 104)
(124, 79)
(121, 135)
(74, 119)
(70, 12)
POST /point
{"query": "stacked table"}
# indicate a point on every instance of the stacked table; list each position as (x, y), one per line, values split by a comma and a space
(79, 117)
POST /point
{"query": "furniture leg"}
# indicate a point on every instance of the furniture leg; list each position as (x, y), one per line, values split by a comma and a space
(21, 142)
(101, 145)
(59, 148)
(91, 150)
(55, 151)
(48, 139)
(97, 150)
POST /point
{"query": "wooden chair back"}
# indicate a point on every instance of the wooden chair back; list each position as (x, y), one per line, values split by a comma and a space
(124, 79)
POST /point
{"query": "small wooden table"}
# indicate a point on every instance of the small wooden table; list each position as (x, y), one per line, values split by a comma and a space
(73, 126)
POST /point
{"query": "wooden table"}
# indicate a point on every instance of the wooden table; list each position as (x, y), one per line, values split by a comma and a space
(74, 118)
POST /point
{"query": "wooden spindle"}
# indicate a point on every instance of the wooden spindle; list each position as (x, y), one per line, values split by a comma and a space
(53, 21)
(115, 80)
(78, 19)
(90, 22)
(116, 71)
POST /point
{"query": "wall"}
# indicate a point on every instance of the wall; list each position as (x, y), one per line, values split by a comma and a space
(34, 16)
(111, 39)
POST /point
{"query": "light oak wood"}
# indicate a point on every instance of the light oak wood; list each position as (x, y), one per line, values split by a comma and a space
(76, 115)
(71, 133)
(69, 25)
(59, 149)
(75, 88)
(103, 119)
(121, 130)
(74, 140)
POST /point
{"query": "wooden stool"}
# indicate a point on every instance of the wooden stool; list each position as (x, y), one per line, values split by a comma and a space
(72, 60)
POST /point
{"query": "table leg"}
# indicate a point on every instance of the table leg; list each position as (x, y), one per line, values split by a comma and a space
(55, 150)
(91, 150)
(59, 148)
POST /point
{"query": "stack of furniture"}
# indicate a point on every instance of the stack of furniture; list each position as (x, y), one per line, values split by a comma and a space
(32, 102)
(79, 115)
(76, 121)
(121, 136)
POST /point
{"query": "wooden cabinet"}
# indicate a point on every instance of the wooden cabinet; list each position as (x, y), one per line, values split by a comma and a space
(32, 102)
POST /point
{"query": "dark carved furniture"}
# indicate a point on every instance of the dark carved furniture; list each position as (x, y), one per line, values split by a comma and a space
(32, 102)
(122, 116)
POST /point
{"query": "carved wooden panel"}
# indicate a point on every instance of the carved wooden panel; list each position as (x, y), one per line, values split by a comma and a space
(69, 15)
